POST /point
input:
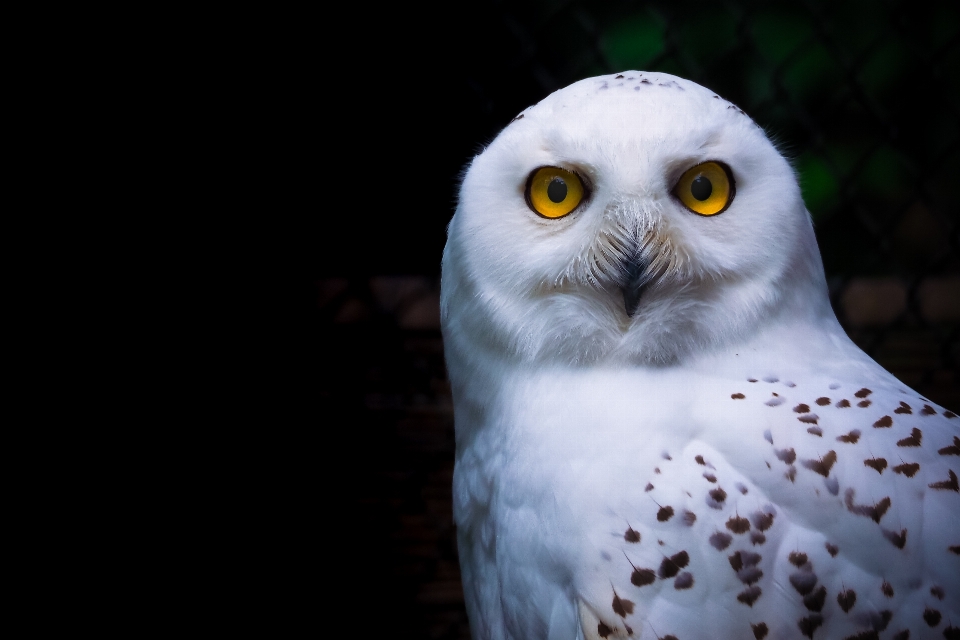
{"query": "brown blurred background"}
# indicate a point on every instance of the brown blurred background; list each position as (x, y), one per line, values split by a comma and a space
(366, 135)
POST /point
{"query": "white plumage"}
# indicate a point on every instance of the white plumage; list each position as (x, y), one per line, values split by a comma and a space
(662, 430)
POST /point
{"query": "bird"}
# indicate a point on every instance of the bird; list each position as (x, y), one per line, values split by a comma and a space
(662, 430)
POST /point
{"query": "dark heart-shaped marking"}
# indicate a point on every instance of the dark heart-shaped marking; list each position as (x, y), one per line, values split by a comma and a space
(851, 437)
(953, 450)
(874, 511)
(913, 440)
(621, 607)
(810, 624)
(720, 540)
(897, 539)
(642, 577)
(883, 423)
(846, 599)
(683, 581)
(949, 485)
(717, 496)
(803, 581)
(931, 616)
(786, 455)
(749, 595)
(738, 524)
(761, 520)
(669, 567)
(749, 575)
(881, 620)
(908, 469)
(823, 465)
(815, 600)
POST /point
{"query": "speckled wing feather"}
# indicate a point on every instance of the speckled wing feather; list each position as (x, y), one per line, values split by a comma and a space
(849, 529)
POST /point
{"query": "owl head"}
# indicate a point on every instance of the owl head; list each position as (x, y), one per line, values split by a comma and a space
(635, 217)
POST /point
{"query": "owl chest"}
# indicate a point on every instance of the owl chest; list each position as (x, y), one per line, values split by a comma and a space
(566, 451)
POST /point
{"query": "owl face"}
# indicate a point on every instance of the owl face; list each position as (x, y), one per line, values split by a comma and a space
(631, 217)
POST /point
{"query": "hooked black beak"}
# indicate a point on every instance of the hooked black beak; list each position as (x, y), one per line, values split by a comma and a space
(634, 281)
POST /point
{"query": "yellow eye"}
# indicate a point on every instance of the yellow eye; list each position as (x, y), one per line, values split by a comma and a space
(706, 189)
(553, 192)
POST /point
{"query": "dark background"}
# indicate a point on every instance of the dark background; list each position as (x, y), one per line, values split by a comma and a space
(360, 124)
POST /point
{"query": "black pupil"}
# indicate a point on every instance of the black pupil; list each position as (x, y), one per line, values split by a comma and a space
(557, 190)
(701, 188)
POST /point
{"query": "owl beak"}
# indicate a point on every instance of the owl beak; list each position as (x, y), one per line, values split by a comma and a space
(635, 280)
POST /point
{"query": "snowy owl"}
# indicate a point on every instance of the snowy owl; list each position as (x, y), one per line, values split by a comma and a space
(662, 430)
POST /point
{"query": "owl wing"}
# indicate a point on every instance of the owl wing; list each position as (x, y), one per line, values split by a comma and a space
(806, 508)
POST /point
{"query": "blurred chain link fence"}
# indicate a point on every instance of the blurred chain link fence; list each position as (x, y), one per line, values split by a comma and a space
(862, 97)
